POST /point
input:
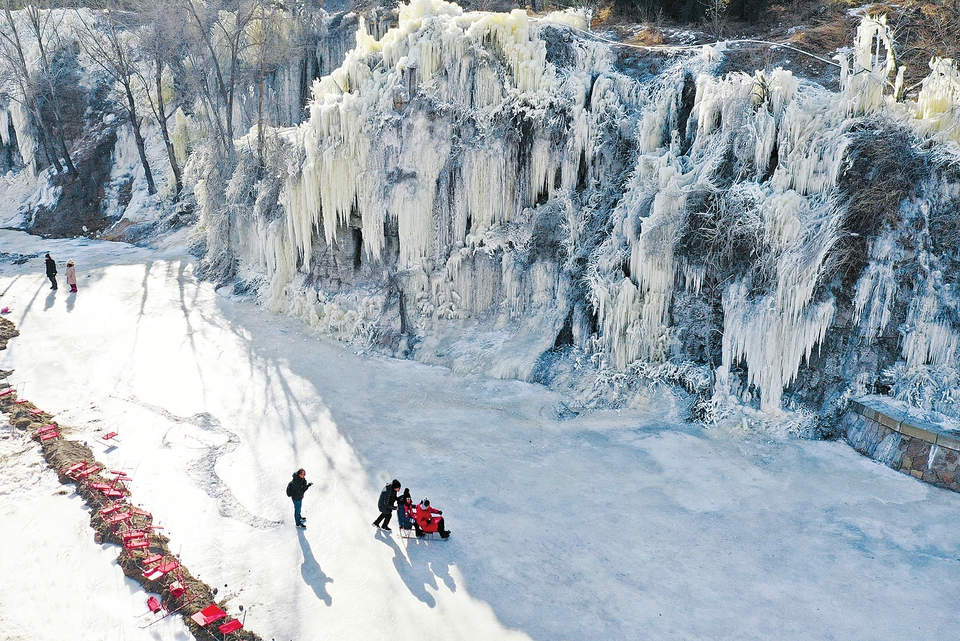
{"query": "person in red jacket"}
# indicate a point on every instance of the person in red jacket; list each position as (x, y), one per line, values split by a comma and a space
(429, 519)
(407, 512)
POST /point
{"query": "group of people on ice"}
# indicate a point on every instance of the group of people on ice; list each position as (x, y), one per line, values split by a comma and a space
(51, 267)
(421, 517)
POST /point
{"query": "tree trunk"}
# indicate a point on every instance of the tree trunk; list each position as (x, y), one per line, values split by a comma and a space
(162, 119)
(36, 23)
(30, 101)
(138, 137)
(261, 141)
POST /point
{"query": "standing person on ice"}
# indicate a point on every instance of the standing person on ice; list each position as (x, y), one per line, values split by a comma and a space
(388, 498)
(71, 276)
(295, 490)
(51, 271)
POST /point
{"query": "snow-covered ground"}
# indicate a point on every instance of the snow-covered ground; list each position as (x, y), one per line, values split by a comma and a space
(611, 525)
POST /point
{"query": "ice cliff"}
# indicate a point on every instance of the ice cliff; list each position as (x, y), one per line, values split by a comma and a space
(498, 193)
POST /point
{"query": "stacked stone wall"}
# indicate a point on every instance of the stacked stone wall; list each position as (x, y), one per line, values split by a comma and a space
(924, 451)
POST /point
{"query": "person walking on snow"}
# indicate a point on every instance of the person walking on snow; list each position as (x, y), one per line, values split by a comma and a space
(51, 271)
(71, 276)
(388, 498)
(296, 488)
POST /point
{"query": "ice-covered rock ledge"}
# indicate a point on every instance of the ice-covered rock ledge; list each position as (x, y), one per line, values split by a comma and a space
(923, 449)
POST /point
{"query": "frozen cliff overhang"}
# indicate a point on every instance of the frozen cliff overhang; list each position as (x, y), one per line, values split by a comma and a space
(491, 192)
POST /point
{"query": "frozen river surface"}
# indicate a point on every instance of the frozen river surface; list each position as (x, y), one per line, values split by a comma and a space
(629, 525)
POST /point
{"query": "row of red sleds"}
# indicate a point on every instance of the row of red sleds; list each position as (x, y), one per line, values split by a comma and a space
(134, 528)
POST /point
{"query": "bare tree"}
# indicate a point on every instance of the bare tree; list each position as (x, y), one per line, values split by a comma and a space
(220, 33)
(108, 42)
(12, 49)
(273, 45)
(45, 27)
(715, 13)
(161, 45)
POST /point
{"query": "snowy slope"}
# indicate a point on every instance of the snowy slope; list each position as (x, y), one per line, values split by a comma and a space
(618, 525)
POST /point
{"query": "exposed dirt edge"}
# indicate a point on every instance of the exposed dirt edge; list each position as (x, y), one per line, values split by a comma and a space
(62, 453)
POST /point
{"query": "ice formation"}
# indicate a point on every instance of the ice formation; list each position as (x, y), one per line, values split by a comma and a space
(476, 170)
(493, 192)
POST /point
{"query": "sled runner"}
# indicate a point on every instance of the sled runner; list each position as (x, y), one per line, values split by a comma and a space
(409, 533)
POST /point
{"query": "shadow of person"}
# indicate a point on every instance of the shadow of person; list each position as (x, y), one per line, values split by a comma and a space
(51, 297)
(71, 301)
(442, 571)
(311, 572)
(415, 578)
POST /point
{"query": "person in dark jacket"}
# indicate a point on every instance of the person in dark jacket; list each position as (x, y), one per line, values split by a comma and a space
(388, 498)
(51, 271)
(295, 490)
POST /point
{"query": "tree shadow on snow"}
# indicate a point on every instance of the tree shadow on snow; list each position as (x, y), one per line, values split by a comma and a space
(311, 572)
(416, 575)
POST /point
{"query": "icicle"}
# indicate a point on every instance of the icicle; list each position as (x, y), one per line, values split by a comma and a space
(926, 337)
(876, 290)
(26, 142)
(771, 341)
(937, 110)
(873, 62)
(5, 127)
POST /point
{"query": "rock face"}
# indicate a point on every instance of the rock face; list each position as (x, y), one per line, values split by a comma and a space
(923, 450)
(79, 210)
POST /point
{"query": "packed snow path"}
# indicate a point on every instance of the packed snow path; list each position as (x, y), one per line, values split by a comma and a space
(609, 525)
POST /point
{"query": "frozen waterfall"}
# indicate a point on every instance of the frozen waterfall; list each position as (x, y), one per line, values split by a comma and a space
(497, 193)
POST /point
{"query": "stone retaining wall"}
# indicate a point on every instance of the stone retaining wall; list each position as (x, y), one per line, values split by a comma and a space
(919, 449)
